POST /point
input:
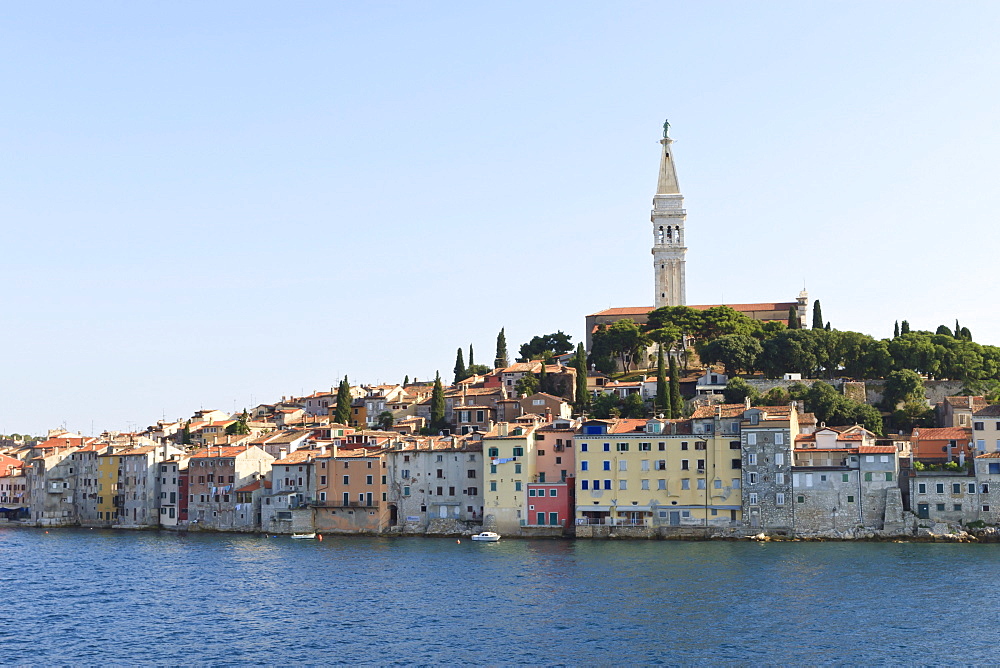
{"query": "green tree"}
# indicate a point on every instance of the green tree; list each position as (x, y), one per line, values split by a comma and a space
(527, 385)
(406, 380)
(240, 427)
(904, 328)
(901, 387)
(501, 359)
(817, 315)
(437, 405)
(460, 373)
(556, 343)
(186, 433)
(580, 362)
(385, 421)
(966, 334)
(622, 339)
(606, 406)
(776, 396)
(734, 351)
(543, 380)
(634, 406)
(676, 400)
(738, 391)
(344, 399)
(895, 330)
(477, 370)
(943, 330)
(472, 361)
(793, 318)
(662, 384)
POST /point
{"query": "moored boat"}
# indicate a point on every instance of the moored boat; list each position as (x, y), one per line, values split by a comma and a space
(486, 537)
(303, 536)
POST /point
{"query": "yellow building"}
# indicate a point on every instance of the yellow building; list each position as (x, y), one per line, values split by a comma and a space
(508, 467)
(652, 473)
(108, 474)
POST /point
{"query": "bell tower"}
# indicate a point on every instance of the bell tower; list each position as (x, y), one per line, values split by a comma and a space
(668, 217)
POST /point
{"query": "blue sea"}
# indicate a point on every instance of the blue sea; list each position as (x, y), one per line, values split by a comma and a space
(75, 596)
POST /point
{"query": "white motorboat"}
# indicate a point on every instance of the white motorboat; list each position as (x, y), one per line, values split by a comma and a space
(487, 537)
(303, 536)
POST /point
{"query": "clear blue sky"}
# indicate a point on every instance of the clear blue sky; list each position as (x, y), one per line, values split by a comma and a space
(214, 204)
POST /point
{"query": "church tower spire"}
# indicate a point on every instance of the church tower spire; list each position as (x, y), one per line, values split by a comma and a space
(668, 218)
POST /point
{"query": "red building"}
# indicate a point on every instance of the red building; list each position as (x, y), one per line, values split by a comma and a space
(551, 503)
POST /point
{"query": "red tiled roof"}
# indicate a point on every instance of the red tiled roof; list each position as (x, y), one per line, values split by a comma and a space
(627, 425)
(877, 450)
(989, 455)
(942, 434)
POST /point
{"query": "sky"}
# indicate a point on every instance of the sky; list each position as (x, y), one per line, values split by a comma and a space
(212, 205)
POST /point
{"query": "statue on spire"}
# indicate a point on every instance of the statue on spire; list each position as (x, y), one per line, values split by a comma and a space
(666, 128)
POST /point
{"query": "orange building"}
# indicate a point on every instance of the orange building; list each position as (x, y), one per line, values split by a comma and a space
(351, 491)
(945, 444)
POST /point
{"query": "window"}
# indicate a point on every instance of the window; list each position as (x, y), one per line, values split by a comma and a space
(801, 499)
(995, 468)
(779, 459)
(888, 477)
(623, 465)
(736, 463)
(622, 484)
(753, 498)
(368, 480)
(684, 445)
(622, 447)
(495, 452)
(939, 488)
(986, 488)
(751, 439)
(779, 478)
(846, 477)
(850, 499)
(701, 483)
(986, 509)
(583, 447)
(493, 485)
(779, 498)
(663, 446)
(406, 490)
(700, 445)
(717, 484)
(607, 447)
(972, 488)
(661, 464)
(940, 507)
(751, 478)
(472, 491)
(493, 468)
(868, 477)
(734, 445)
(552, 492)
(607, 464)
(735, 483)
(531, 492)
(644, 484)
(607, 484)
(958, 507)
(752, 459)
(685, 465)
(978, 426)
(644, 465)
(517, 485)
(956, 488)
(583, 484)
(661, 484)
(517, 468)
(779, 439)
(645, 447)
(584, 465)
(519, 452)
(701, 464)
(685, 483)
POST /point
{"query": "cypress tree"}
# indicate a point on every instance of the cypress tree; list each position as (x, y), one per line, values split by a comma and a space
(343, 414)
(905, 327)
(895, 331)
(186, 433)
(958, 330)
(676, 400)
(582, 396)
(543, 380)
(437, 405)
(472, 360)
(793, 318)
(662, 386)
(460, 373)
(828, 325)
(817, 315)
(406, 380)
(501, 358)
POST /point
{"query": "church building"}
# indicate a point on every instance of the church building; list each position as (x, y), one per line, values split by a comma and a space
(668, 218)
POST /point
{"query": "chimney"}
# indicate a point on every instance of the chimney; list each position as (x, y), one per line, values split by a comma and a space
(502, 429)
(548, 414)
(282, 453)
(970, 401)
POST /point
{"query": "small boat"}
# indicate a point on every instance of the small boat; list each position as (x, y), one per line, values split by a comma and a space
(487, 537)
(303, 536)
